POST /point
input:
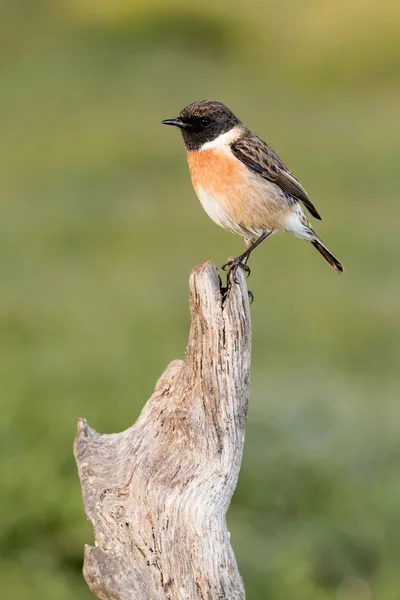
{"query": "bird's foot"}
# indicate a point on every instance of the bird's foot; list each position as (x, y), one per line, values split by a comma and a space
(225, 290)
(232, 265)
(224, 293)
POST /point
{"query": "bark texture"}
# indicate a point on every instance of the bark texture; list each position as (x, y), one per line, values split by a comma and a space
(157, 493)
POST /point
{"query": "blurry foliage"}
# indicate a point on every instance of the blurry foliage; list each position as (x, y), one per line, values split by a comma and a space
(333, 42)
(182, 31)
(100, 229)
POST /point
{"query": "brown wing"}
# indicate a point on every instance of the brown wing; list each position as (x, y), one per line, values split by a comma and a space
(252, 151)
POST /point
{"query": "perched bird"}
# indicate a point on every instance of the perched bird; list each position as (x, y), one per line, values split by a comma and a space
(241, 182)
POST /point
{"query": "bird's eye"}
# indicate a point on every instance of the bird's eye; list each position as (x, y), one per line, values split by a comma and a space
(205, 122)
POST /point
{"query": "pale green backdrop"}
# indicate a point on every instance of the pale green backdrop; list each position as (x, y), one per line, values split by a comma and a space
(100, 229)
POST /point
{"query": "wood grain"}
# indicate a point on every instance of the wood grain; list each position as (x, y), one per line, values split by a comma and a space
(157, 493)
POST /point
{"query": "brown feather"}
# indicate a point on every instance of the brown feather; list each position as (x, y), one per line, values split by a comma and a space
(328, 256)
(260, 158)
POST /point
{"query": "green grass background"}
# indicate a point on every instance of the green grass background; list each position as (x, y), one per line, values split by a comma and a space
(100, 228)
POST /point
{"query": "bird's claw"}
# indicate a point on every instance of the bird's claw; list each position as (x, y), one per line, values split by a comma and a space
(225, 290)
(246, 269)
(235, 266)
(228, 264)
(232, 264)
(224, 293)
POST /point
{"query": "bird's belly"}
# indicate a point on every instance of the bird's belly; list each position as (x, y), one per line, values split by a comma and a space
(216, 209)
(232, 196)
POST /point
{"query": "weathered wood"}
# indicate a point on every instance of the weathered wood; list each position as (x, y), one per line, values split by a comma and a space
(157, 493)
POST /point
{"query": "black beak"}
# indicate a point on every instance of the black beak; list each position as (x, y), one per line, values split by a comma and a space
(176, 122)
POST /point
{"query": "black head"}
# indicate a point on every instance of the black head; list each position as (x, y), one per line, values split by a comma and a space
(203, 121)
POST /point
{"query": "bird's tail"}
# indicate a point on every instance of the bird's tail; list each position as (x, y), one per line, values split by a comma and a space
(327, 255)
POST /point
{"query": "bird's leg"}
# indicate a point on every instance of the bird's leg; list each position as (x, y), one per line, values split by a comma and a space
(241, 261)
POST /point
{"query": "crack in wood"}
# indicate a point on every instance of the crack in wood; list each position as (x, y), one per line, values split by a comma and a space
(167, 481)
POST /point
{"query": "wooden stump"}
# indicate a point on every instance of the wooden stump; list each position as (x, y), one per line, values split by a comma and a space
(157, 493)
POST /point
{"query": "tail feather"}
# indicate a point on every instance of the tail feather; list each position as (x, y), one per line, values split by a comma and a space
(327, 255)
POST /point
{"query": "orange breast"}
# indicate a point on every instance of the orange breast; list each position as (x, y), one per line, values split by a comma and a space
(215, 171)
(246, 202)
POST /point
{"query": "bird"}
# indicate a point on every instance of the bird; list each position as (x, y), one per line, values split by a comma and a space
(242, 183)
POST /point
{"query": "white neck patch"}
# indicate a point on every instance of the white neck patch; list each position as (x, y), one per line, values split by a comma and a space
(223, 140)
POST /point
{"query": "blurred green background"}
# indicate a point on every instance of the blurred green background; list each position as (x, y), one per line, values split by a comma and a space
(100, 229)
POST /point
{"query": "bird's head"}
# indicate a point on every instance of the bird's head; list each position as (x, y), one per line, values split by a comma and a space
(203, 122)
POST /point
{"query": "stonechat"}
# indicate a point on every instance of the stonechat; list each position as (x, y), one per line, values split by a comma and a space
(242, 183)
